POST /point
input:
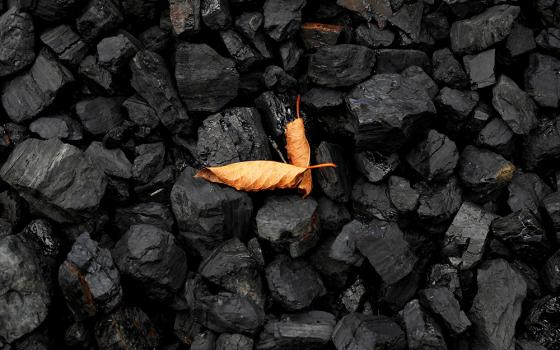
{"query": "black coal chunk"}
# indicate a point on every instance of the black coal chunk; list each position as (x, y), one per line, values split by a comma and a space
(435, 157)
(402, 195)
(242, 53)
(232, 267)
(113, 162)
(522, 232)
(380, 10)
(387, 109)
(234, 135)
(341, 65)
(79, 186)
(418, 75)
(397, 60)
(127, 328)
(140, 112)
(248, 23)
(150, 257)
(542, 144)
(551, 272)
(149, 161)
(456, 104)
(207, 213)
(335, 273)
(317, 35)
(527, 191)
(66, 44)
(345, 247)
(89, 279)
(215, 14)
(497, 305)
(357, 331)
(447, 70)
(277, 111)
(442, 303)
(140, 12)
(422, 331)
(100, 114)
(154, 39)
(99, 18)
(293, 283)
(185, 17)
(376, 166)
(372, 201)
(17, 41)
(28, 94)
(524, 344)
(275, 78)
(409, 20)
(289, 221)
(99, 79)
(520, 41)
(465, 239)
(206, 80)
(151, 213)
(57, 126)
(291, 54)
(438, 202)
(335, 182)
(484, 172)
(480, 68)
(306, 330)
(282, 18)
(548, 39)
(234, 342)
(541, 80)
(497, 136)
(371, 36)
(551, 204)
(542, 322)
(484, 30)
(114, 52)
(514, 106)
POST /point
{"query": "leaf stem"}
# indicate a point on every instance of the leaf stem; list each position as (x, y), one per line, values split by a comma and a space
(298, 99)
(324, 165)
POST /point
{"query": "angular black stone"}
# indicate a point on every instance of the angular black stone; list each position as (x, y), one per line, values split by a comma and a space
(185, 17)
(372, 201)
(376, 166)
(371, 36)
(242, 53)
(50, 127)
(317, 35)
(497, 136)
(101, 114)
(524, 344)
(409, 19)
(541, 80)
(340, 65)
(418, 75)
(276, 110)
(206, 80)
(248, 23)
(442, 303)
(150, 257)
(527, 191)
(79, 186)
(335, 273)
(445, 275)
(149, 161)
(204, 341)
(380, 10)
(140, 112)
(551, 272)
(520, 41)
(387, 109)
(114, 52)
(97, 78)
(89, 279)
(456, 104)
(275, 78)
(548, 39)
(542, 144)
(551, 204)
(480, 68)
(234, 342)
(112, 162)
(215, 14)
(497, 305)
(437, 25)
(403, 197)
(99, 18)
(154, 39)
(66, 44)
(150, 213)
(542, 321)
(282, 18)
(514, 106)
(335, 182)
(397, 60)
(152, 81)
(353, 297)
(345, 246)
(357, 331)
(158, 188)
(13, 207)
(482, 31)
(422, 331)
(126, 328)
(435, 157)
(438, 203)
(17, 41)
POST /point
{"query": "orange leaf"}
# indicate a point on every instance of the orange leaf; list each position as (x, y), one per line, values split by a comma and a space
(299, 152)
(257, 175)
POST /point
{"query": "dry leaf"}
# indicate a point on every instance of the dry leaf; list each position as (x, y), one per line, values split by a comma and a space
(299, 152)
(258, 175)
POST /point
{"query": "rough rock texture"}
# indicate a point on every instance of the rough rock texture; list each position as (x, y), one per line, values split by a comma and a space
(66, 44)
(541, 82)
(282, 18)
(341, 65)
(422, 331)
(442, 303)
(514, 106)
(359, 331)
(435, 157)
(16, 41)
(127, 328)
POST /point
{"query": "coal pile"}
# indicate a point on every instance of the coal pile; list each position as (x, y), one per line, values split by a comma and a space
(438, 229)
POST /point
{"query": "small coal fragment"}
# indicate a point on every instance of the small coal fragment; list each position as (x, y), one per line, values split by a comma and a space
(551, 204)
(242, 53)
(372, 201)
(28, 94)
(97, 78)
(207, 213)
(79, 186)
(353, 297)
(48, 128)
(101, 114)
(79, 336)
(387, 108)
(376, 166)
(541, 81)
(456, 104)
(127, 328)
(204, 341)
(293, 283)
(438, 203)
(542, 144)
(482, 31)
(551, 272)
(480, 68)
(520, 41)
(149, 256)
(17, 41)
(215, 14)
(335, 182)
(149, 161)
(335, 273)
(140, 112)
(151, 213)
(66, 44)
(380, 10)
(206, 81)
(276, 110)
(345, 246)
(282, 18)
(397, 60)
(248, 23)
(317, 35)
(497, 305)
(514, 106)
(306, 330)
(154, 39)
(99, 18)
(114, 52)
(437, 25)
(234, 342)
(422, 331)
(13, 207)
(418, 75)
(289, 221)
(158, 188)
(484, 172)
(549, 39)
(290, 52)
(185, 17)
(112, 162)
(403, 197)
(497, 136)
(435, 157)
(527, 191)
(371, 36)
(340, 65)
(542, 322)
(465, 239)
(89, 279)
(442, 303)
(445, 275)
(409, 19)
(357, 331)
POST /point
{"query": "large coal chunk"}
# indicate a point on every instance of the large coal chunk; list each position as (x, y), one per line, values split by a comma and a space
(409, 20)
(341, 65)
(497, 305)
(207, 213)
(234, 135)
(152, 81)
(541, 81)
(482, 31)
(345, 247)
(527, 191)
(99, 79)
(99, 18)
(62, 184)
(27, 95)
(150, 257)
(232, 267)
(17, 41)
(317, 35)
(114, 52)
(422, 331)
(242, 53)
(113, 162)
(435, 157)
(357, 331)
(282, 18)
(293, 283)
(380, 10)
(442, 303)
(465, 239)
(456, 105)
(206, 80)
(335, 182)
(372, 201)
(89, 279)
(417, 74)
(387, 109)
(542, 322)
(480, 68)
(24, 289)
(127, 328)
(289, 221)
(66, 44)
(438, 203)
(100, 114)
(306, 330)
(484, 172)
(514, 106)
(548, 39)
